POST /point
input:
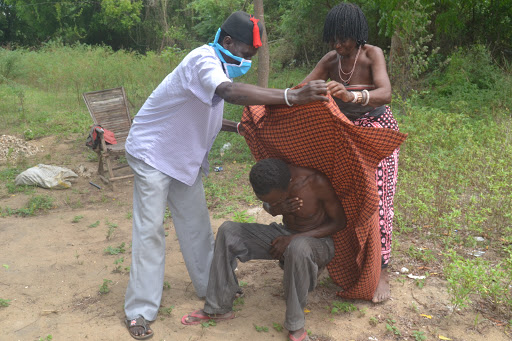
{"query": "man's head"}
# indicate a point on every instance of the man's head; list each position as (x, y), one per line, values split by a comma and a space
(241, 35)
(345, 21)
(269, 176)
(243, 27)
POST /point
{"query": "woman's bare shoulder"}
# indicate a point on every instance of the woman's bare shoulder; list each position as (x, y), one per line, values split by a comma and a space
(373, 51)
(329, 57)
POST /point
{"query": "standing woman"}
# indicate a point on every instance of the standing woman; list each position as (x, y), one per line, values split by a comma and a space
(360, 85)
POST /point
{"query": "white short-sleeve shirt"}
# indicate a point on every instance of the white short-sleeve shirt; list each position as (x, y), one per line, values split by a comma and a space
(177, 125)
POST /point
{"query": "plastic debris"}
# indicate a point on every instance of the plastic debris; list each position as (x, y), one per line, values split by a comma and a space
(225, 148)
(218, 169)
(404, 270)
(477, 253)
(416, 277)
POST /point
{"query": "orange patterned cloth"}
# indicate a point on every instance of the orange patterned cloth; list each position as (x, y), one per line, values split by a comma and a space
(319, 136)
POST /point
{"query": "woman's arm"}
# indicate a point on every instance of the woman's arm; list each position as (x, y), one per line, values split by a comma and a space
(382, 93)
(321, 70)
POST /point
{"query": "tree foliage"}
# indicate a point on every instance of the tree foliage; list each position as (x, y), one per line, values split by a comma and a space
(120, 15)
(294, 27)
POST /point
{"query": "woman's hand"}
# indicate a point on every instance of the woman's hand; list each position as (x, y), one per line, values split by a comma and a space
(339, 91)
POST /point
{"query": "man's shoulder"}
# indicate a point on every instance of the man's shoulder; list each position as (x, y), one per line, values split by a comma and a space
(200, 57)
(316, 178)
(203, 51)
(312, 175)
(320, 178)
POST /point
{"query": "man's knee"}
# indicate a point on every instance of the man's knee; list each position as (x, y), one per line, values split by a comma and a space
(299, 247)
(228, 228)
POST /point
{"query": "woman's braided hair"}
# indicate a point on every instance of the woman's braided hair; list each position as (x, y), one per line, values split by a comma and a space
(344, 21)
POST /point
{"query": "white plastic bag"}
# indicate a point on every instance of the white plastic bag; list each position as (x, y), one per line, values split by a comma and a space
(46, 176)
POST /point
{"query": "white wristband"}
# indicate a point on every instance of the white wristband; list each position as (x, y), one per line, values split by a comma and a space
(238, 128)
(367, 98)
(286, 97)
(355, 97)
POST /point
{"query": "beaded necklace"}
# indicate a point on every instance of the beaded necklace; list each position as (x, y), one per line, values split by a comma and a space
(349, 74)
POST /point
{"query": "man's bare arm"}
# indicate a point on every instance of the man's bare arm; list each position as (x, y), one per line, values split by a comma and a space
(230, 126)
(248, 94)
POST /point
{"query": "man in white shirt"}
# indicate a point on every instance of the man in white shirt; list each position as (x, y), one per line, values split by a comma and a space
(167, 148)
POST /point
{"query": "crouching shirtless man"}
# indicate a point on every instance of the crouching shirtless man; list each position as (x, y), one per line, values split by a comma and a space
(311, 214)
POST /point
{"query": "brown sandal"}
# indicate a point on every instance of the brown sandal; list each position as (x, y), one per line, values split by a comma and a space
(139, 322)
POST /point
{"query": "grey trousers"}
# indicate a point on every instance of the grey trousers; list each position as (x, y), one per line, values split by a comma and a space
(244, 241)
(152, 192)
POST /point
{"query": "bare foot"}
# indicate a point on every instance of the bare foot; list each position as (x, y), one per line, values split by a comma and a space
(298, 335)
(199, 316)
(383, 291)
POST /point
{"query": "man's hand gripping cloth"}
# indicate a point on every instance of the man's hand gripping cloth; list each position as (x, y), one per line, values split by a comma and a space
(319, 136)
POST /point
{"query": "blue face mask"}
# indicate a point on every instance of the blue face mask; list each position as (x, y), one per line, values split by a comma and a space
(233, 70)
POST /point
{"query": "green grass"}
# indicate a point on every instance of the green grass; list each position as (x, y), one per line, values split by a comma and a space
(42, 90)
(115, 250)
(95, 224)
(229, 190)
(260, 329)
(104, 288)
(454, 179)
(166, 311)
(7, 176)
(454, 168)
(338, 307)
(36, 204)
(77, 218)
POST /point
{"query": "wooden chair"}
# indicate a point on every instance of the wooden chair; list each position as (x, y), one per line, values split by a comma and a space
(109, 108)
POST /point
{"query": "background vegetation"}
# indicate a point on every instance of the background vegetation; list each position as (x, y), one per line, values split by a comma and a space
(294, 26)
(450, 67)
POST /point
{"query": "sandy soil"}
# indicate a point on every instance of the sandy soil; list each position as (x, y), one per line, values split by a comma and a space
(52, 270)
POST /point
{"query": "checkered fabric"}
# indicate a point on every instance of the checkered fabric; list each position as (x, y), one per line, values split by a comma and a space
(319, 136)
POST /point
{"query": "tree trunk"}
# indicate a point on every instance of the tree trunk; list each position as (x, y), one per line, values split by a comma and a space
(165, 25)
(263, 51)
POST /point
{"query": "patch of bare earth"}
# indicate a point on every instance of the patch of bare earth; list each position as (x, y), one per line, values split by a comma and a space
(53, 269)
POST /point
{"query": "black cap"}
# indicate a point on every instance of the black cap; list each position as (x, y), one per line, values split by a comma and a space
(239, 26)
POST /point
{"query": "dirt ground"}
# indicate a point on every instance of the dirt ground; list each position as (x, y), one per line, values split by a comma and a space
(54, 264)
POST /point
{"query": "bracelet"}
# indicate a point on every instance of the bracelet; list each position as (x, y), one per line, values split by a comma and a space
(286, 97)
(355, 97)
(367, 93)
(238, 128)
